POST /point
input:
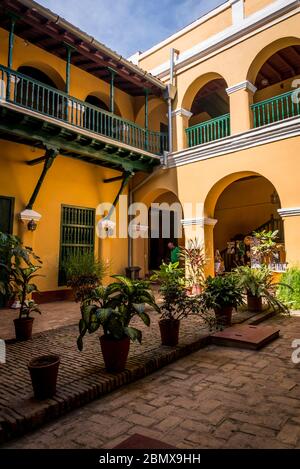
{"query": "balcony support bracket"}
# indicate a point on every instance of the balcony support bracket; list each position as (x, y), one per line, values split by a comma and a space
(127, 175)
(50, 156)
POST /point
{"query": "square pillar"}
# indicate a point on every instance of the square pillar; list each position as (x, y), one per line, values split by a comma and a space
(291, 218)
(240, 100)
(180, 124)
(202, 228)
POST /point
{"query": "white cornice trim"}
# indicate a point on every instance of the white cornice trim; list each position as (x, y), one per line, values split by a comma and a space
(250, 24)
(182, 113)
(252, 138)
(243, 85)
(289, 212)
(199, 221)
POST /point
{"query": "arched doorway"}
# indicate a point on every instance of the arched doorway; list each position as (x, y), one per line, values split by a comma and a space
(31, 93)
(210, 118)
(97, 102)
(165, 215)
(246, 205)
(274, 73)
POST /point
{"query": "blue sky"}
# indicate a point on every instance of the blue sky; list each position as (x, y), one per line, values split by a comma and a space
(130, 25)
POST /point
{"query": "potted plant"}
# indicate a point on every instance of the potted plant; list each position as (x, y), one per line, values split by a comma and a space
(265, 246)
(43, 372)
(83, 273)
(176, 303)
(222, 294)
(113, 308)
(258, 286)
(193, 256)
(20, 272)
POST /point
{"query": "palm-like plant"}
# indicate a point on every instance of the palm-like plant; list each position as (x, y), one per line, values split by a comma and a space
(114, 307)
(259, 283)
(194, 257)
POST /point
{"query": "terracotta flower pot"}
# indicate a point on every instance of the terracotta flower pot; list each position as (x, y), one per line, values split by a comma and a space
(43, 371)
(115, 353)
(23, 328)
(254, 303)
(169, 331)
(224, 315)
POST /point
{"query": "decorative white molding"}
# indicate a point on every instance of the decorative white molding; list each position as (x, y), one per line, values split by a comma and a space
(237, 11)
(250, 25)
(252, 138)
(243, 85)
(28, 215)
(289, 212)
(200, 221)
(182, 113)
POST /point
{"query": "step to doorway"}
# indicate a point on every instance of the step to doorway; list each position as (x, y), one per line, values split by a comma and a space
(246, 336)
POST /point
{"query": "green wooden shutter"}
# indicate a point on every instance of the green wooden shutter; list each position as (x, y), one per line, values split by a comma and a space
(77, 234)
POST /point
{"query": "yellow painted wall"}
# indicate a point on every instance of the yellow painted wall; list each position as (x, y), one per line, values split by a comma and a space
(204, 181)
(252, 6)
(68, 182)
(199, 33)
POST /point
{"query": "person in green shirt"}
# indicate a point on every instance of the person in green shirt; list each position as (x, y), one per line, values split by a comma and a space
(174, 252)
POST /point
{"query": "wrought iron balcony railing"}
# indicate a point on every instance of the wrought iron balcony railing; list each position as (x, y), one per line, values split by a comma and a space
(208, 131)
(276, 109)
(31, 94)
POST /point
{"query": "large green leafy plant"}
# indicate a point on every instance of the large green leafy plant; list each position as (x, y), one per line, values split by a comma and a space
(21, 265)
(265, 246)
(176, 304)
(113, 307)
(259, 283)
(221, 292)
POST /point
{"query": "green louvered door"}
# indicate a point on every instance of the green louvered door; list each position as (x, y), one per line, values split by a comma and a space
(77, 234)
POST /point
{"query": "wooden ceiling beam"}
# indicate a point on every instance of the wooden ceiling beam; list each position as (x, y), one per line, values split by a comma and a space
(287, 62)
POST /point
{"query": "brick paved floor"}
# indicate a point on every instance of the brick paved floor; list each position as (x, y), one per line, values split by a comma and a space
(54, 315)
(217, 397)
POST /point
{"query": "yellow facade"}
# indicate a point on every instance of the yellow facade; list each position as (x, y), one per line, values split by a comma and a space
(197, 175)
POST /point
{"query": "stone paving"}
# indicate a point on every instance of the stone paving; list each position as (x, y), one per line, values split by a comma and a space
(54, 315)
(217, 397)
(82, 376)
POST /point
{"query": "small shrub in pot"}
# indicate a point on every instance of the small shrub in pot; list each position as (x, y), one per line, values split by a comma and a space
(222, 294)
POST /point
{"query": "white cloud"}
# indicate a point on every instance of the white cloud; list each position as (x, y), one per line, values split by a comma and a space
(130, 25)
